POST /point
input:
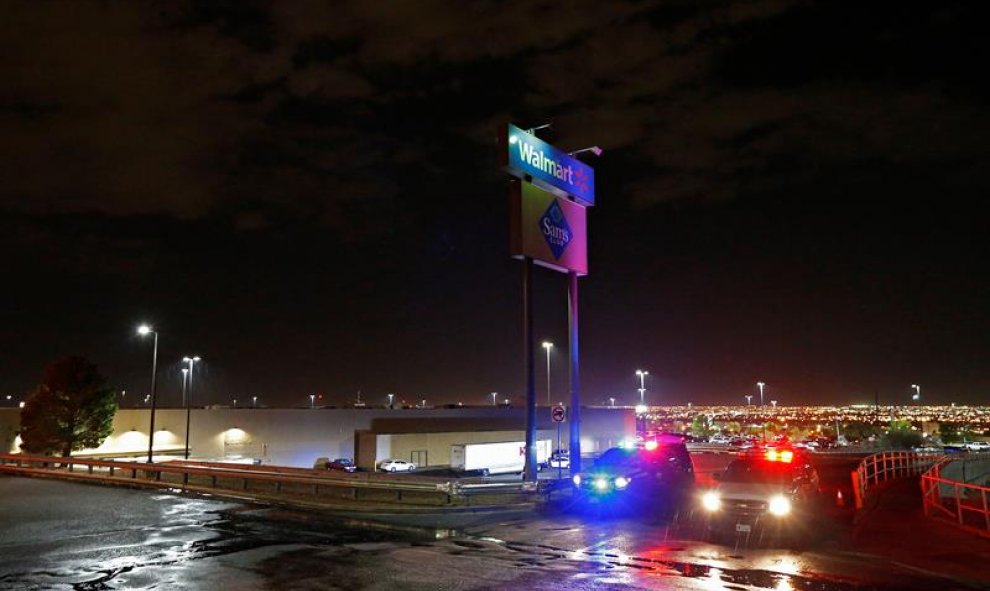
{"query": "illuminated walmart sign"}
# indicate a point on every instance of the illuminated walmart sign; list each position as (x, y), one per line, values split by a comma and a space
(524, 154)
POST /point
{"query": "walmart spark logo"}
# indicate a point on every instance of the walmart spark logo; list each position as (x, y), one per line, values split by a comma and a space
(556, 231)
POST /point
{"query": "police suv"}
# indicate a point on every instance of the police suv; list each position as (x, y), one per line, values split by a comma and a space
(765, 491)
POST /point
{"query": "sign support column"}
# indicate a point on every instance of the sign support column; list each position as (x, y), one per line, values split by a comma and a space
(575, 379)
(529, 473)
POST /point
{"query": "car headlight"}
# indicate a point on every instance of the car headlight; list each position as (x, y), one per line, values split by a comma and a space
(576, 480)
(711, 501)
(601, 484)
(779, 506)
(621, 482)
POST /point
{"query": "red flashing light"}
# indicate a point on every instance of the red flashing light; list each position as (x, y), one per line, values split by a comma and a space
(650, 445)
(785, 456)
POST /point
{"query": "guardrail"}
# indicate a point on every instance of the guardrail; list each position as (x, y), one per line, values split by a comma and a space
(883, 466)
(239, 481)
(964, 503)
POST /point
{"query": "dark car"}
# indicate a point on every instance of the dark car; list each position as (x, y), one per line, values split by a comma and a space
(656, 477)
(342, 465)
(771, 491)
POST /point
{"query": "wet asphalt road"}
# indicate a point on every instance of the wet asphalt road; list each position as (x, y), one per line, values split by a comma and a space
(61, 535)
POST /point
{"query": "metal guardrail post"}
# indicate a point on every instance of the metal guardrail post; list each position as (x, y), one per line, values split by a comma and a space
(857, 490)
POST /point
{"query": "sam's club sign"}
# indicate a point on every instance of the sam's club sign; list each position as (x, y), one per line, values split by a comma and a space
(524, 154)
(549, 229)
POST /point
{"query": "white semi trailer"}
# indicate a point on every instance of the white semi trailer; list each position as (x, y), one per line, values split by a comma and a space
(496, 458)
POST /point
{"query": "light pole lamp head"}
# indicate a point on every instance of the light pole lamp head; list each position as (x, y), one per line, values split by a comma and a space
(185, 370)
(547, 345)
(596, 150)
(144, 329)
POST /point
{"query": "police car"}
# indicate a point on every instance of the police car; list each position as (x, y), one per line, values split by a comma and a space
(655, 475)
(765, 491)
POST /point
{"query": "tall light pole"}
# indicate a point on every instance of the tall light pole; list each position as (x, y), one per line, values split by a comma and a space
(917, 392)
(494, 398)
(761, 385)
(185, 374)
(254, 402)
(188, 399)
(642, 385)
(749, 399)
(312, 400)
(548, 345)
(390, 398)
(774, 403)
(611, 402)
(145, 330)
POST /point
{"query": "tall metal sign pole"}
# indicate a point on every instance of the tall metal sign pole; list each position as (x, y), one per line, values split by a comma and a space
(548, 227)
(575, 381)
(529, 473)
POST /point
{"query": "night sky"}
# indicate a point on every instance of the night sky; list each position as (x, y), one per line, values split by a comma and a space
(307, 195)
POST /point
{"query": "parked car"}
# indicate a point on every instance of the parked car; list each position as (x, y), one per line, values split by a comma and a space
(978, 446)
(560, 460)
(393, 465)
(342, 465)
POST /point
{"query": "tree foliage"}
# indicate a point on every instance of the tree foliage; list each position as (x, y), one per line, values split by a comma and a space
(72, 409)
(902, 436)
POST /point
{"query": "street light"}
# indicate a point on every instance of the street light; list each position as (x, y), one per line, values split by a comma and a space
(254, 402)
(917, 392)
(774, 403)
(749, 399)
(494, 398)
(548, 345)
(642, 385)
(611, 402)
(185, 374)
(312, 400)
(145, 330)
(761, 385)
(390, 397)
(188, 399)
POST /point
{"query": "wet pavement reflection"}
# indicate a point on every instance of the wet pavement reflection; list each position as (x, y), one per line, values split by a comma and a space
(59, 535)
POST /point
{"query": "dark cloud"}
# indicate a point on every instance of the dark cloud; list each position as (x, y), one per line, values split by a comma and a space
(321, 175)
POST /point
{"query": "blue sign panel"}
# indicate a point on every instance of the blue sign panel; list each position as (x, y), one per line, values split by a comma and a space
(555, 229)
(527, 155)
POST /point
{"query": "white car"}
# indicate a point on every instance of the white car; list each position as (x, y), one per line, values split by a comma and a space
(393, 465)
(978, 446)
(559, 461)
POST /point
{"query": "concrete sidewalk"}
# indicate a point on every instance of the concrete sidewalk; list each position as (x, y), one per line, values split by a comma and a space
(896, 528)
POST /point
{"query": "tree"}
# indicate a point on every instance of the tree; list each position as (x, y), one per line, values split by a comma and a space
(701, 427)
(901, 435)
(71, 409)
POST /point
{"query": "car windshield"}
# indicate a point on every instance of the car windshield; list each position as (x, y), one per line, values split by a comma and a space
(616, 457)
(756, 471)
